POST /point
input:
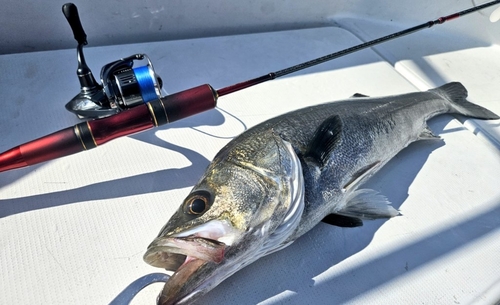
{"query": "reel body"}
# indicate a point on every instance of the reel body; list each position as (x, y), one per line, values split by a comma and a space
(123, 85)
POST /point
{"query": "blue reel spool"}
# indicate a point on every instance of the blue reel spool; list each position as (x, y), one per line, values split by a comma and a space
(146, 80)
(130, 86)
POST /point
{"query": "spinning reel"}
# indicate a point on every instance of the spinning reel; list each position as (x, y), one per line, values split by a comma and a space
(123, 85)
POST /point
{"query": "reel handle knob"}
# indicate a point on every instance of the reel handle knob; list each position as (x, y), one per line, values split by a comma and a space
(71, 13)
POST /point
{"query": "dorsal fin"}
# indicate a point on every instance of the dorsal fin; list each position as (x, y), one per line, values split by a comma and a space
(358, 95)
(325, 139)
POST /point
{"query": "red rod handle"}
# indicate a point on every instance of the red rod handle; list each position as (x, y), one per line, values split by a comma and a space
(87, 135)
(122, 124)
(53, 146)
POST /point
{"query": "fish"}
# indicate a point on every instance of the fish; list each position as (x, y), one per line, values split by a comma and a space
(280, 178)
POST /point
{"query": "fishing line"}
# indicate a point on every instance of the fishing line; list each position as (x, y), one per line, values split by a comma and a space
(245, 128)
(146, 84)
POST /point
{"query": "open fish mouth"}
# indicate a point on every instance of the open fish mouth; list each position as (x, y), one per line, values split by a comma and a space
(171, 253)
(184, 256)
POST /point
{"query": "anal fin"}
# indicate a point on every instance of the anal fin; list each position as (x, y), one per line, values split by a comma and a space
(427, 134)
(368, 204)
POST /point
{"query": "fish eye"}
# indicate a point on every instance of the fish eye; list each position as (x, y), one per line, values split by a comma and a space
(197, 204)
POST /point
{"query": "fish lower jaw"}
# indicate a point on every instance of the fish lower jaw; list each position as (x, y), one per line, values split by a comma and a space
(174, 290)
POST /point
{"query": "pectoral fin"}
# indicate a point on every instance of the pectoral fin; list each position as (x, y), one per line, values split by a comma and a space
(368, 204)
(361, 174)
(342, 221)
(325, 139)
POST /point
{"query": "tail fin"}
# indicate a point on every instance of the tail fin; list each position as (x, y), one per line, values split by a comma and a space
(456, 93)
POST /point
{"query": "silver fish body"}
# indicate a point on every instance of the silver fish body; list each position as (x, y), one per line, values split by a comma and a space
(276, 181)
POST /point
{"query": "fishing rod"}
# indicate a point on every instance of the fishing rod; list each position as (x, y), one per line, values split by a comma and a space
(317, 61)
(132, 96)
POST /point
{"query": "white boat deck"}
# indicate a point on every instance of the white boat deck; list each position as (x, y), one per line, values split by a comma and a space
(73, 230)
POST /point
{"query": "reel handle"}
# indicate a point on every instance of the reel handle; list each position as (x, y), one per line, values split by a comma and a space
(71, 13)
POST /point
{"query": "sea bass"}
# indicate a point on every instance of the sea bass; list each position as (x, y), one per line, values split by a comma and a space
(279, 179)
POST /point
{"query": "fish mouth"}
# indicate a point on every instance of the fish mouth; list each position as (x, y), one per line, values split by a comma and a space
(171, 253)
(187, 253)
(184, 256)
